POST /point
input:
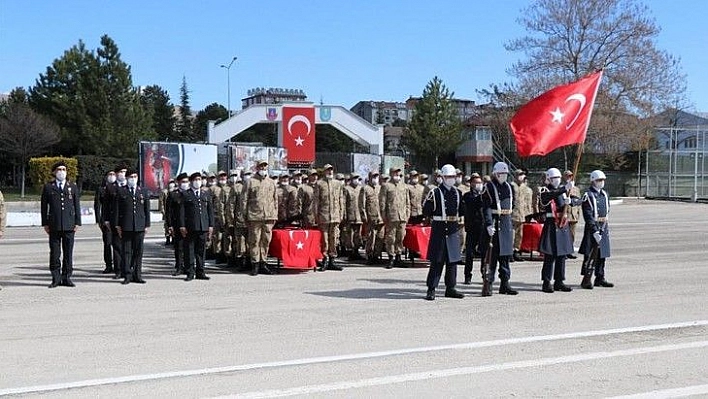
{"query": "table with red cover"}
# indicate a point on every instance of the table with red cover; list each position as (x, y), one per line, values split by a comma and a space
(416, 239)
(296, 248)
(531, 234)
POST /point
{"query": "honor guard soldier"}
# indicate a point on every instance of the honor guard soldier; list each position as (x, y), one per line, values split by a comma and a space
(173, 205)
(352, 211)
(99, 208)
(573, 207)
(498, 199)
(555, 241)
(371, 215)
(132, 220)
(196, 224)
(61, 217)
(596, 238)
(444, 207)
(260, 211)
(415, 194)
(474, 223)
(328, 206)
(395, 205)
(523, 206)
(306, 198)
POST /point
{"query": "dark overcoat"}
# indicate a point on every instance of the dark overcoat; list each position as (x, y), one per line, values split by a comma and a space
(132, 211)
(555, 241)
(444, 235)
(497, 199)
(596, 204)
(61, 209)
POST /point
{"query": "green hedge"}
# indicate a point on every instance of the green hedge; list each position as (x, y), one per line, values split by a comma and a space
(92, 168)
(40, 171)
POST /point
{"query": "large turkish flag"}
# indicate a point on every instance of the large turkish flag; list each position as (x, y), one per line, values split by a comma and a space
(556, 118)
(299, 133)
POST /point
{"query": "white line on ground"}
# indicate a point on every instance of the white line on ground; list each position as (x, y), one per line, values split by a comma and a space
(430, 374)
(339, 358)
(668, 393)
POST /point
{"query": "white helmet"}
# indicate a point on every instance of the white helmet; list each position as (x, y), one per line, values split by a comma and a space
(553, 172)
(597, 175)
(500, 167)
(448, 170)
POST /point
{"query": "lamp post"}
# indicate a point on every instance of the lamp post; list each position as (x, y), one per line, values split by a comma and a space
(228, 82)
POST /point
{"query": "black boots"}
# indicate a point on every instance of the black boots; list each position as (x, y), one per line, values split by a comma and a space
(587, 282)
(547, 287)
(486, 287)
(468, 280)
(601, 282)
(517, 256)
(108, 269)
(56, 279)
(453, 293)
(430, 296)
(323, 264)
(559, 286)
(334, 266)
(505, 288)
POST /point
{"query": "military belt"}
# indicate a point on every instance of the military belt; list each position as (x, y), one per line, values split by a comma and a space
(445, 218)
(601, 219)
(501, 212)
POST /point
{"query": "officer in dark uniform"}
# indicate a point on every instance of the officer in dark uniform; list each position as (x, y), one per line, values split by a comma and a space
(108, 216)
(132, 220)
(474, 223)
(443, 206)
(498, 197)
(61, 217)
(99, 209)
(555, 242)
(172, 209)
(596, 237)
(196, 223)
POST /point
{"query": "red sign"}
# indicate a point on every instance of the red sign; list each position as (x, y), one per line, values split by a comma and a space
(556, 118)
(299, 134)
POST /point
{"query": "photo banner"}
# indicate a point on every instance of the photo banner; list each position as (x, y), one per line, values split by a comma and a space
(161, 162)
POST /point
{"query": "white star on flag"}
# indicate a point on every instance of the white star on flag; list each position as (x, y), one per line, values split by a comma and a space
(300, 245)
(557, 115)
(299, 141)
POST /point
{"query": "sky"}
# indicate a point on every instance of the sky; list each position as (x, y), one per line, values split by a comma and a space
(339, 52)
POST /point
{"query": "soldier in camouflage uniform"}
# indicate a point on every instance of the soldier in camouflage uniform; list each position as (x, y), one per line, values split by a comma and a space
(415, 194)
(293, 201)
(371, 215)
(328, 208)
(573, 208)
(237, 224)
(283, 191)
(259, 204)
(352, 240)
(306, 199)
(395, 207)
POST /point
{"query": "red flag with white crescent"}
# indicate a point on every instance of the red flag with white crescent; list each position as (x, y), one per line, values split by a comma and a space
(556, 118)
(299, 133)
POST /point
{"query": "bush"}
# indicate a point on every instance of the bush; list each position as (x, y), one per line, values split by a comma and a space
(40, 171)
(92, 169)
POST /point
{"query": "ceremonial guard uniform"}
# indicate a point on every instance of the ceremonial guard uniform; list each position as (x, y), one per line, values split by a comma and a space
(132, 219)
(596, 238)
(260, 211)
(474, 224)
(415, 194)
(371, 215)
(444, 207)
(328, 206)
(555, 241)
(498, 198)
(523, 206)
(61, 216)
(99, 208)
(196, 225)
(395, 205)
(352, 240)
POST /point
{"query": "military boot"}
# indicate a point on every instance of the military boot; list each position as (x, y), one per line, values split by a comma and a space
(254, 268)
(587, 282)
(265, 269)
(559, 286)
(547, 287)
(468, 280)
(332, 265)
(323, 264)
(453, 293)
(486, 288)
(505, 288)
(601, 282)
(56, 279)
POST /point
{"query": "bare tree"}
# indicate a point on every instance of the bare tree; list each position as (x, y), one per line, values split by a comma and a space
(568, 39)
(25, 133)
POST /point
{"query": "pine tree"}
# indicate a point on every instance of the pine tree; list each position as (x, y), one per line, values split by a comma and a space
(185, 128)
(156, 101)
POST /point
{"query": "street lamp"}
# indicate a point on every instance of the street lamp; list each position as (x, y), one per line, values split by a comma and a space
(228, 82)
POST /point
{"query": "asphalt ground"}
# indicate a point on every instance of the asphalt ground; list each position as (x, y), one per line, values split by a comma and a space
(365, 331)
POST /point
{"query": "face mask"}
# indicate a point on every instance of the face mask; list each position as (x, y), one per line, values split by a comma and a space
(414, 181)
(233, 179)
(458, 180)
(61, 175)
(197, 184)
(521, 179)
(329, 175)
(396, 178)
(263, 173)
(501, 177)
(184, 186)
(132, 182)
(439, 180)
(297, 182)
(246, 178)
(555, 182)
(222, 182)
(284, 183)
(599, 184)
(374, 181)
(120, 176)
(450, 181)
(478, 187)
(111, 179)
(171, 187)
(354, 183)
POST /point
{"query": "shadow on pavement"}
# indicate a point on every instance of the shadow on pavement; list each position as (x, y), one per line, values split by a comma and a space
(372, 293)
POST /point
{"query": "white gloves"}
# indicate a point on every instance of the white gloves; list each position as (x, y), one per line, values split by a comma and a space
(569, 185)
(596, 235)
(490, 230)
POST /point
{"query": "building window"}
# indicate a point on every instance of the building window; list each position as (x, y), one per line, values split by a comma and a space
(483, 133)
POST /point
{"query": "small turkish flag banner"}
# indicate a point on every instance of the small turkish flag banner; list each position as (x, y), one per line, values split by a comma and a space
(556, 118)
(299, 133)
(303, 248)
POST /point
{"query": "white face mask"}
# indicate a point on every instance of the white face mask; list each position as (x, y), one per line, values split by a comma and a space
(458, 180)
(222, 182)
(478, 187)
(396, 178)
(246, 178)
(297, 182)
(60, 175)
(184, 186)
(263, 173)
(132, 182)
(329, 175)
(450, 181)
(439, 180)
(599, 184)
(520, 179)
(414, 180)
(111, 179)
(171, 187)
(284, 183)
(233, 179)
(374, 181)
(501, 177)
(120, 176)
(197, 184)
(555, 182)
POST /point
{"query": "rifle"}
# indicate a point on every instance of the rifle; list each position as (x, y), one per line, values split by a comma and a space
(486, 286)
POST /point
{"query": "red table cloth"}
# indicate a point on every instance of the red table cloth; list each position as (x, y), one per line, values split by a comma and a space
(416, 239)
(530, 236)
(296, 248)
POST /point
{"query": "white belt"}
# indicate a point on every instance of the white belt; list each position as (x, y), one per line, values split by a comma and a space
(601, 219)
(501, 212)
(445, 218)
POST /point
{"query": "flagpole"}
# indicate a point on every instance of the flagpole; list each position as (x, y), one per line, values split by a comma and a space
(578, 154)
